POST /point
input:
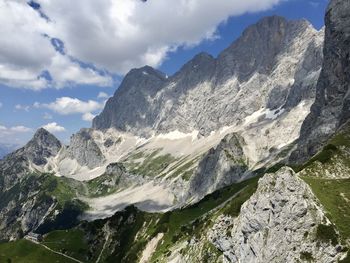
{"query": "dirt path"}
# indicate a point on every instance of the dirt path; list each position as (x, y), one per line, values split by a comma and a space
(58, 253)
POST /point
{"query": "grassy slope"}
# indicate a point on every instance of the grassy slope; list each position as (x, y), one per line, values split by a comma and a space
(334, 194)
(177, 225)
(180, 224)
(24, 251)
(70, 242)
(183, 223)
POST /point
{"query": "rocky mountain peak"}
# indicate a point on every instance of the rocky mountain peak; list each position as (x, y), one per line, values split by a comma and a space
(36, 152)
(258, 48)
(43, 145)
(202, 95)
(42, 136)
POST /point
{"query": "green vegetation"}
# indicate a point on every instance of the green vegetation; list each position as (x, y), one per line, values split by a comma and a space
(306, 256)
(98, 186)
(333, 152)
(132, 229)
(59, 187)
(185, 168)
(335, 197)
(234, 207)
(70, 242)
(24, 251)
(152, 164)
(182, 223)
(327, 233)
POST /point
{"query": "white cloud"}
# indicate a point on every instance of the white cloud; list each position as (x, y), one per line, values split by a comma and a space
(26, 52)
(11, 131)
(102, 95)
(67, 106)
(88, 116)
(53, 127)
(22, 107)
(114, 36)
(1, 105)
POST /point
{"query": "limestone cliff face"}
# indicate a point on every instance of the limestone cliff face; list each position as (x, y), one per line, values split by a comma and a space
(332, 104)
(221, 166)
(84, 149)
(277, 224)
(274, 63)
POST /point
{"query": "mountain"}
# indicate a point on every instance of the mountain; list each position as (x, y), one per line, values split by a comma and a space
(332, 105)
(192, 167)
(259, 70)
(35, 153)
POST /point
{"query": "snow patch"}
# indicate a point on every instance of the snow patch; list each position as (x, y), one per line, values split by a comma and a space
(177, 135)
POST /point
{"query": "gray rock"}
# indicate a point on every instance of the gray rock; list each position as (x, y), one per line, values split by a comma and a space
(221, 166)
(332, 104)
(15, 165)
(84, 149)
(257, 70)
(277, 224)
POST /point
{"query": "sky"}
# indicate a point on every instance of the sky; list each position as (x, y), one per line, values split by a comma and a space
(60, 60)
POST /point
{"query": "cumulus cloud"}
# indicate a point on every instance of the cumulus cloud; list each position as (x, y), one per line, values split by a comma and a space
(88, 116)
(10, 131)
(53, 127)
(102, 95)
(28, 59)
(107, 36)
(67, 106)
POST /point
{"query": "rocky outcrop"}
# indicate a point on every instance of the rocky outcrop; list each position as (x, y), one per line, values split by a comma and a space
(84, 149)
(332, 105)
(43, 145)
(272, 61)
(116, 177)
(221, 166)
(23, 207)
(35, 153)
(279, 223)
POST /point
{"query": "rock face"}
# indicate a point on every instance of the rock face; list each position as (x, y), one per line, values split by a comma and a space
(221, 166)
(332, 105)
(84, 150)
(277, 224)
(36, 152)
(118, 175)
(22, 207)
(129, 107)
(274, 63)
(42, 146)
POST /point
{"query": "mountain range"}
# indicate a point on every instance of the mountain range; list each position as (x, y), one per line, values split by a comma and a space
(243, 157)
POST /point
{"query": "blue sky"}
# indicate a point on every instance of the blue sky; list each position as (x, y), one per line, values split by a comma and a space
(24, 109)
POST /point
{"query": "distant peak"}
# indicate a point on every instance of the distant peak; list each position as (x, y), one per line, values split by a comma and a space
(42, 135)
(41, 131)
